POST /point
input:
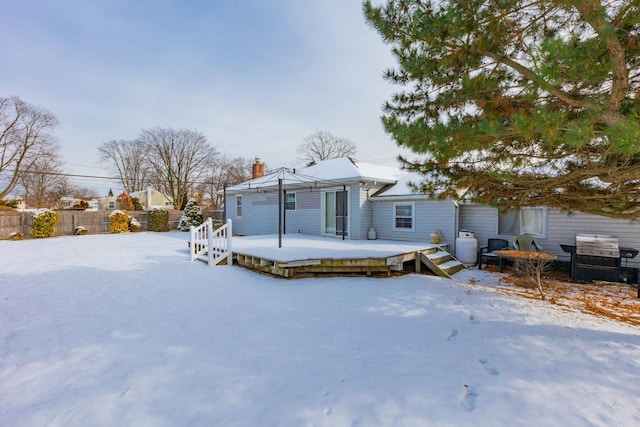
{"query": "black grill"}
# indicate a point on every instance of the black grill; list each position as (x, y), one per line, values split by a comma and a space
(597, 257)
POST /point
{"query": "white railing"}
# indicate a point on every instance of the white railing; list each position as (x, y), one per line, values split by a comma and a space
(209, 245)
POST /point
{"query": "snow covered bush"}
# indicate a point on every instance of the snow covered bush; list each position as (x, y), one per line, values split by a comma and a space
(80, 231)
(134, 225)
(158, 219)
(192, 215)
(118, 221)
(16, 235)
(44, 223)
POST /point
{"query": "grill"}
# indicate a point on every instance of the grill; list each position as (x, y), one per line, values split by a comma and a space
(597, 257)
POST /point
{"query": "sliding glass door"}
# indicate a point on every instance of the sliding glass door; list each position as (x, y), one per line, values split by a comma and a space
(336, 221)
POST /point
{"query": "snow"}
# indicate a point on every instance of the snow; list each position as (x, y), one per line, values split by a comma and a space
(123, 329)
(304, 246)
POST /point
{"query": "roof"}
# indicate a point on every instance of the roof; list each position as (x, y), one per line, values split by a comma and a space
(402, 187)
(324, 173)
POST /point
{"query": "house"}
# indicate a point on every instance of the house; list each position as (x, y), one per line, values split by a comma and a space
(341, 198)
(158, 200)
(551, 227)
(345, 194)
(153, 198)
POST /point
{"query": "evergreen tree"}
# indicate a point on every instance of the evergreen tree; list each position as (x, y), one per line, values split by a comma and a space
(110, 193)
(518, 103)
(192, 215)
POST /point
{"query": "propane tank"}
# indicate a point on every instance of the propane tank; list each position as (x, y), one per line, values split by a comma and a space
(467, 247)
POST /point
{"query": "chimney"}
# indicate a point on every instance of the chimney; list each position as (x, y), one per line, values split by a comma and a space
(257, 170)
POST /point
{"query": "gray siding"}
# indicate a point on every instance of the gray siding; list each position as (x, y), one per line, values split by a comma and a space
(561, 228)
(306, 218)
(430, 215)
(259, 213)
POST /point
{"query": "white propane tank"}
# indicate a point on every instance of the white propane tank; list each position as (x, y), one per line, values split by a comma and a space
(467, 247)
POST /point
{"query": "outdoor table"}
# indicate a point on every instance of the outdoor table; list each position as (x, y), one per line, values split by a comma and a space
(516, 255)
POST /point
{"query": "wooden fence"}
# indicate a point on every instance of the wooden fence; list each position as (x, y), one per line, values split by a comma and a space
(94, 222)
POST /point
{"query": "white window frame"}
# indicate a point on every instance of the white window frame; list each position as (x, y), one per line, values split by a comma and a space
(111, 205)
(412, 216)
(239, 206)
(541, 235)
(294, 201)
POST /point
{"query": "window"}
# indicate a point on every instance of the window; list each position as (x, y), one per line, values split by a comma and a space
(112, 205)
(239, 206)
(290, 202)
(403, 214)
(167, 203)
(518, 221)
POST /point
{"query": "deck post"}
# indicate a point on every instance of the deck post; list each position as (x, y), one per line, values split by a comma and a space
(418, 263)
(192, 244)
(210, 248)
(229, 245)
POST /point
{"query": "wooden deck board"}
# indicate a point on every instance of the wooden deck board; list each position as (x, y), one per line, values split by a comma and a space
(323, 266)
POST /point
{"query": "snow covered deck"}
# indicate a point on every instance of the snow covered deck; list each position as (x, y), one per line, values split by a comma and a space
(310, 255)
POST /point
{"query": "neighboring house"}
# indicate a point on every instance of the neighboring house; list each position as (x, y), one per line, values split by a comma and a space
(320, 198)
(20, 203)
(153, 198)
(157, 198)
(340, 194)
(66, 202)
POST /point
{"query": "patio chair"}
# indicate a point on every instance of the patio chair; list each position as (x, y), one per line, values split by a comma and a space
(486, 252)
(526, 242)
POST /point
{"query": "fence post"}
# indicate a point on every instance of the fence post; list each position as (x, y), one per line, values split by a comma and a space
(229, 245)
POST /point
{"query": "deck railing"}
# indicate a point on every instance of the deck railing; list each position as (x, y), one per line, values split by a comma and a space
(211, 245)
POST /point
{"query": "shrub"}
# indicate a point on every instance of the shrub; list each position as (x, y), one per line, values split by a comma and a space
(192, 215)
(136, 204)
(9, 203)
(16, 235)
(118, 221)
(80, 231)
(44, 223)
(123, 201)
(158, 220)
(134, 225)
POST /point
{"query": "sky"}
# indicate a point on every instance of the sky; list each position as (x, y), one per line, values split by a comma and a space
(255, 77)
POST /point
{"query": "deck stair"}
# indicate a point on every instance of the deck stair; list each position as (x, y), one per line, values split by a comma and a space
(440, 262)
(211, 245)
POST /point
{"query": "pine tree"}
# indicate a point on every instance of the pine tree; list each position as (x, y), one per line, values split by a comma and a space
(192, 215)
(110, 193)
(517, 103)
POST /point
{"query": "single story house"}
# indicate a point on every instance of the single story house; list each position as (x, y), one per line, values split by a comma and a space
(339, 198)
(346, 198)
(158, 200)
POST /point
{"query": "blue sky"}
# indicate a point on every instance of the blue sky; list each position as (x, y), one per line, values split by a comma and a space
(255, 77)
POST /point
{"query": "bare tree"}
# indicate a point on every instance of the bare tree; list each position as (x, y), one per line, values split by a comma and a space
(129, 161)
(178, 158)
(322, 145)
(25, 135)
(224, 171)
(41, 179)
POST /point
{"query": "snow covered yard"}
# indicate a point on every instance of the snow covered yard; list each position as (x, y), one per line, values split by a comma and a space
(108, 330)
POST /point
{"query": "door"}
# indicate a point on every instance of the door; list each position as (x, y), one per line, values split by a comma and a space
(336, 221)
